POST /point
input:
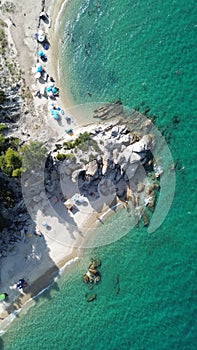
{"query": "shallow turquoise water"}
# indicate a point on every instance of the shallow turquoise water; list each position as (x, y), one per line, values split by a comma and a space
(143, 52)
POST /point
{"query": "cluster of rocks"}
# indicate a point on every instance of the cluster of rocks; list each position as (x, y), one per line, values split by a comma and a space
(92, 275)
(117, 160)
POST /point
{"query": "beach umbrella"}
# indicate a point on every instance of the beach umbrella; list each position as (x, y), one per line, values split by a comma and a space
(54, 90)
(56, 116)
(48, 89)
(2, 296)
(38, 65)
(40, 53)
(46, 46)
(41, 36)
(39, 69)
(69, 203)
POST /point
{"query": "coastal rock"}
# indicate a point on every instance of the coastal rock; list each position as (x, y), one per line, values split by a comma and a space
(140, 187)
(144, 144)
(105, 187)
(130, 170)
(92, 168)
(90, 298)
(121, 189)
(37, 199)
(105, 167)
(124, 140)
(109, 111)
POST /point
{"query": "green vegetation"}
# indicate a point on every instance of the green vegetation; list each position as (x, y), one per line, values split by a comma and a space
(15, 159)
(2, 143)
(3, 127)
(91, 157)
(63, 156)
(95, 146)
(33, 155)
(82, 138)
(10, 161)
(2, 95)
(3, 40)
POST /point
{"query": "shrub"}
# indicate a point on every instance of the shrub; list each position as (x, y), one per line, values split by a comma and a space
(69, 145)
(95, 146)
(62, 156)
(3, 127)
(10, 161)
(2, 94)
(17, 172)
(33, 155)
(81, 139)
(91, 157)
(2, 143)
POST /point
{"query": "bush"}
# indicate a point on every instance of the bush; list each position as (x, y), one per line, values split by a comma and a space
(84, 147)
(17, 172)
(33, 155)
(3, 126)
(2, 94)
(63, 156)
(2, 143)
(10, 161)
(81, 139)
(69, 145)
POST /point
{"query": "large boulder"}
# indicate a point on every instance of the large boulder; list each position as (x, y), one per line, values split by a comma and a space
(92, 168)
(144, 144)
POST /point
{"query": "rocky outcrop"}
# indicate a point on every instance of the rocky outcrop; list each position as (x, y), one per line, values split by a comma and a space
(121, 159)
(92, 275)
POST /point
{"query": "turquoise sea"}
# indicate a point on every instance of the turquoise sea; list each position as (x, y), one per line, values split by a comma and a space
(145, 53)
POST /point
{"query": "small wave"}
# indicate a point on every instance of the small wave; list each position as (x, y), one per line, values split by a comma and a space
(68, 263)
(11, 317)
(57, 20)
(8, 320)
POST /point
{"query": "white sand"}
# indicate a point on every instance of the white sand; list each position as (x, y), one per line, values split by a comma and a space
(38, 259)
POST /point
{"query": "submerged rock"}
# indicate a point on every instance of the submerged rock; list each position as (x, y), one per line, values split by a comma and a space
(91, 297)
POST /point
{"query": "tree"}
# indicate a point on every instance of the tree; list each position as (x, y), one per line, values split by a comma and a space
(2, 143)
(33, 155)
(10, 161)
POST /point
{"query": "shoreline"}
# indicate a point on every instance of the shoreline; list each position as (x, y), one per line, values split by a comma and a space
(45, 277)
(67, 100)
(55, 256)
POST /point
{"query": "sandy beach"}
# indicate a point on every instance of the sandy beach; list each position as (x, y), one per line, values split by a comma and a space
(38, 258)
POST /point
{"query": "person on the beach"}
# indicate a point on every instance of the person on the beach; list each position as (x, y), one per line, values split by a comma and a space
(20, 284)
